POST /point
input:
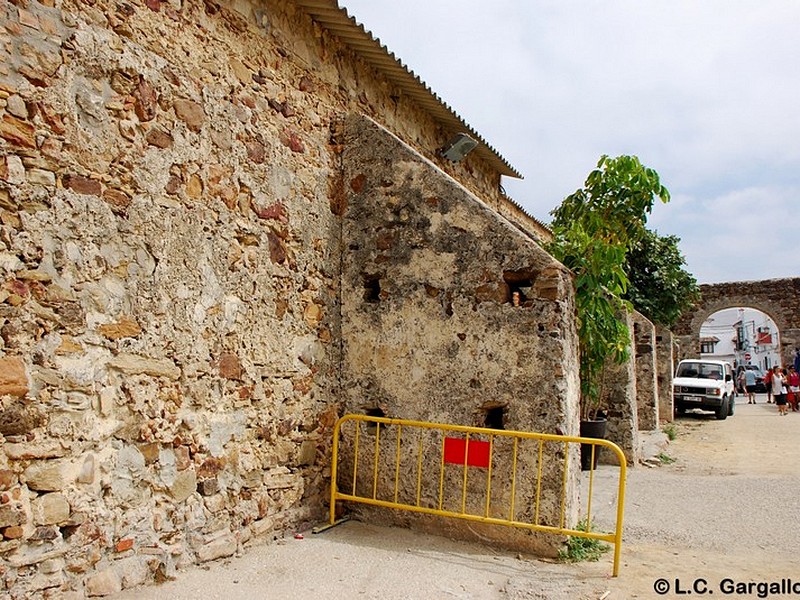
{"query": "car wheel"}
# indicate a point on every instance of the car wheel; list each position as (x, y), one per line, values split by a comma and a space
(722, 411)
(731, 408)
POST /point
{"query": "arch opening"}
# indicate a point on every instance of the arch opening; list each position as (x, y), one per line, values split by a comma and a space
(740, 335)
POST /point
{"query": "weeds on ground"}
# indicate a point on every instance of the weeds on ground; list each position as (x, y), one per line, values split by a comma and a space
(579, 549)
(670, 430)
(665, 459)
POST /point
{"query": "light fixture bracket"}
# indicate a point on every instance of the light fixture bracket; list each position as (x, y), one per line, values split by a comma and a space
(458, 147)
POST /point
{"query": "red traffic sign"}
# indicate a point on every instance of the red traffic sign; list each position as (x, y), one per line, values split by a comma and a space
(747, 356)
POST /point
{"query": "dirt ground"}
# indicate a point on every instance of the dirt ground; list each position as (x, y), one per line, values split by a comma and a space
(721, 519)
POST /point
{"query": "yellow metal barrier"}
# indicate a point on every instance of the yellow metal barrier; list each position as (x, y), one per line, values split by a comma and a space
(397, 473)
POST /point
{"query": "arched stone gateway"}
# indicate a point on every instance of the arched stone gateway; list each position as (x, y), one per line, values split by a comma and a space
(777, 298)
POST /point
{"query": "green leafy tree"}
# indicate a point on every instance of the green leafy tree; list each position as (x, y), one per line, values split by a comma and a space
(594, 229)
(659, 286)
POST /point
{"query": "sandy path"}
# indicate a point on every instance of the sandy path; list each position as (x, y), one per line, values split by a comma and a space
(725, 509)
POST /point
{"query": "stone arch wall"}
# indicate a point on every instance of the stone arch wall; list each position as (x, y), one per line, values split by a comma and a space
(778, 298)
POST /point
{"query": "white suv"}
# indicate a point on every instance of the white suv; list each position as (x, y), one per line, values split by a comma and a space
(706, 384)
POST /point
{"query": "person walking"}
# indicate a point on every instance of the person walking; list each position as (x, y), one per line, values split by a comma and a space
(778, 387)
(748, 378)
(793, 385)
(768, 384)
(797, 360)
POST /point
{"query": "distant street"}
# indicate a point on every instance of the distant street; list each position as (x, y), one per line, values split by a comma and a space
(726, 509)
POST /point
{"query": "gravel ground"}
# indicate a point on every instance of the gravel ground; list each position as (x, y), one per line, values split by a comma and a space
(726, 508)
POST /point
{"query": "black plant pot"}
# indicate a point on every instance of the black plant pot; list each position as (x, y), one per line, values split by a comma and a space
(591, 429)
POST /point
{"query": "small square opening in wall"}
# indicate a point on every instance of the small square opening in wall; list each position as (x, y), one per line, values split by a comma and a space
(494, 415)
(520, 284)
(374, 412)
(372, 288)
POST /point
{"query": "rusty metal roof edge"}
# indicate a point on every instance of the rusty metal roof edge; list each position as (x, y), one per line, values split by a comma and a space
(329, 13)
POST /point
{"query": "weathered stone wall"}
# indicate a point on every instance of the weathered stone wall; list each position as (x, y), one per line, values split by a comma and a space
(778, 298)
(431, 328)
(647, 403)
(618, 396)
(665, 367)
(170, 248)
(169, 290)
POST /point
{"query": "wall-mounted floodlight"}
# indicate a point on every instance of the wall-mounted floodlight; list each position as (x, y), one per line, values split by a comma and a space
(458, 147)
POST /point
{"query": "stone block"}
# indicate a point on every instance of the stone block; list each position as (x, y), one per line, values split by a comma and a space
(145, 101)
(44, 581)
(215, 503)
(33, 555)
(44, 533)
(280, 478)
(190, 113)
(13, 377)
(119, 200)
(312, 314)
(50, 509)
(150, 452)
(229, 366)
(35, 450)
(218, 548)
(52, 565)
(8, 479)
(19, 419)
(308, 453)
(82, 185)
(12, 514)
(208, 487)
(211, 467)
(87, 472)
(103, 583)
(133, 571)
(185, 485)
(262, 527)
(42, 177)
(194, 187)
(16, 106)
(17, 131)
(183, 459)
(125, 327)
(48, 475)
(132, 364)
(159, 138)
(108, 398)
(13, 532)
(243, 74)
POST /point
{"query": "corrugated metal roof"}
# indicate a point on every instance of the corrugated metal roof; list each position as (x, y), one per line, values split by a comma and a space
(352, 33)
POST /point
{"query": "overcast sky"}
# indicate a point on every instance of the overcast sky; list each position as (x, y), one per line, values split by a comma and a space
(706, 92)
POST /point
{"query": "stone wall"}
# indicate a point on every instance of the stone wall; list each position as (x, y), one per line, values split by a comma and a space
(778, 298)
(618, 396)
(171, 245)
(665, 367)
(169, 290)
(450, 312)
(647, 402)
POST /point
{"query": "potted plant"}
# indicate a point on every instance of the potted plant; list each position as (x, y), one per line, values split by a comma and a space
(593, 230)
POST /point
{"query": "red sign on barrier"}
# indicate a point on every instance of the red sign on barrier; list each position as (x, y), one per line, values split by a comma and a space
(477, 452)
